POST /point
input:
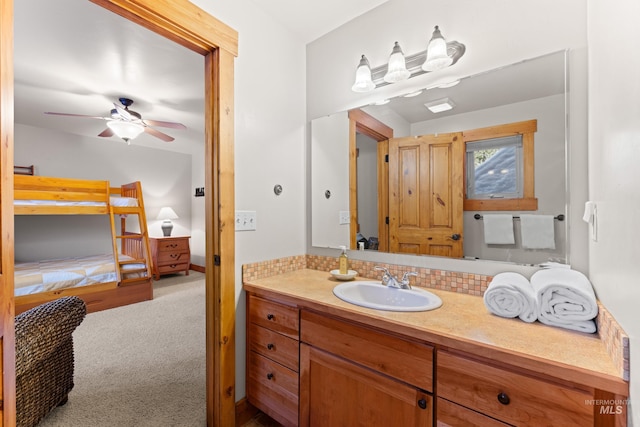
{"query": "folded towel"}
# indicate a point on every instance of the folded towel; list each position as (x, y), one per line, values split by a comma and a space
(565, 299)
(498, 229)
(537, 231)
(510, 295)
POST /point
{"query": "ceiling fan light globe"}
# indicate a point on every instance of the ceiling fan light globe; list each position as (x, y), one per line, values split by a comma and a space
(126, 130)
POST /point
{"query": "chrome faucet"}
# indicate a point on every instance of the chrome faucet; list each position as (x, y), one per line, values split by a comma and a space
(390, 280)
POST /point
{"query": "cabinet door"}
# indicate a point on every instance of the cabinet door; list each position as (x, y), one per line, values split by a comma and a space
(336, 392)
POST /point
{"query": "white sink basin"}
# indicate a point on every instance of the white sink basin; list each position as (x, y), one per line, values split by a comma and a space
(376, 295)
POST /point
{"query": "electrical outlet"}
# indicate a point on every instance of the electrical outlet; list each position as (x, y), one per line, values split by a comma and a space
(246, 220)
(344, 218)
(199, 192)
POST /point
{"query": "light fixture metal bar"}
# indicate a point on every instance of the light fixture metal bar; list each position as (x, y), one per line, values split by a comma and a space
(414, 63)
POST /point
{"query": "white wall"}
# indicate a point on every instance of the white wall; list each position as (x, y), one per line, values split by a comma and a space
(165, 178)
(269, 143)
(614, 172)
(495, 34)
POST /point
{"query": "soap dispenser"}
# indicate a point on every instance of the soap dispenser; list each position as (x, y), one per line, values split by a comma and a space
(344, 261)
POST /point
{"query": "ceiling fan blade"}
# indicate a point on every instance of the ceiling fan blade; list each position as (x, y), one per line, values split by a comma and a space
(164, 124)
(77, 115)
(123, 112)
(106, 133)
(158, 134)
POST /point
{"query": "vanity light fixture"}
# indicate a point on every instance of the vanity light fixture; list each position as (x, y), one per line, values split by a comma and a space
(397, 66)
(440, 105)
(125, 130)
(439, 54)
(363, 83)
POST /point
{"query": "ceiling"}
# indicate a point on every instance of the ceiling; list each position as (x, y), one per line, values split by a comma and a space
(84, 59)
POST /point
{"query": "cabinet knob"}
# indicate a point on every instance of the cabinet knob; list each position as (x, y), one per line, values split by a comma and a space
(422, 403)
(270, 316)
(269, 376)
(270, 346)
(503, 398)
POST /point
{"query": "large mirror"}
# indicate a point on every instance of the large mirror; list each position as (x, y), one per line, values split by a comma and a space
(365, 179)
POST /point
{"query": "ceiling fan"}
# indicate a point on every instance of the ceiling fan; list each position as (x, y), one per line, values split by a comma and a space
(128, 124)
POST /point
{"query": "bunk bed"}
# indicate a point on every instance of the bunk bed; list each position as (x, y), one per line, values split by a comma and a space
(120, 278)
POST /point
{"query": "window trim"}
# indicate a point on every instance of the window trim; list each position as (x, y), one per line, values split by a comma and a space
(528, 202)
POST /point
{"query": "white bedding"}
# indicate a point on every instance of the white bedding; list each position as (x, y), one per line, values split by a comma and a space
(121, 202)
(49, 275)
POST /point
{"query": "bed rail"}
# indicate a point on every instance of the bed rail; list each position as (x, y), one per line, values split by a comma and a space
(41, 195)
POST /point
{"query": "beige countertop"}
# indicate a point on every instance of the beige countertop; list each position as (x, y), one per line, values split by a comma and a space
(462, 323)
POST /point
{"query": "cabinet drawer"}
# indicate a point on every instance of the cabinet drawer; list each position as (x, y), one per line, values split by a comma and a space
(449, 414)
(275, 346)
(172, 257)
(509, 396)
(272, 315)
(273, 389)
(405, 360)
(170, 268)
(173, 245)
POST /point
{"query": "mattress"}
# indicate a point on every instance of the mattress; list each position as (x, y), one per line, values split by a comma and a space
(56, 274)
(121, 202)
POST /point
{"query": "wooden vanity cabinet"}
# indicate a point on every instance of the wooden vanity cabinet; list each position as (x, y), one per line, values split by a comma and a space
(273, 358)
(354, 375)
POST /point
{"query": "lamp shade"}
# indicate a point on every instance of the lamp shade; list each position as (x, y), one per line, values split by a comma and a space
(397, 67)
(363, 77)
(167, 213)
(125, 130)
(437, 57)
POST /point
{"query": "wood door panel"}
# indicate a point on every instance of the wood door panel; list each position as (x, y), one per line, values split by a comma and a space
(426, 191)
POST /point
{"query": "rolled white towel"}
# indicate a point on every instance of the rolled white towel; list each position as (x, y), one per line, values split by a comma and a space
(565, 299)
(511, 295)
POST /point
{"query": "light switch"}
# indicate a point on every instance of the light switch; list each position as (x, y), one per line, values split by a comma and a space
(246, 220)
(345, 218)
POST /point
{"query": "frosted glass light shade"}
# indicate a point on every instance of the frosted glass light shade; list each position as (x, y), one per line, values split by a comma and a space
(363, 81)
(437, 57)
(397, 67)
(125, 130)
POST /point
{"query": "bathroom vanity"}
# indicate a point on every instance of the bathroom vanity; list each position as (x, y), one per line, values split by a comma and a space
(313, 359)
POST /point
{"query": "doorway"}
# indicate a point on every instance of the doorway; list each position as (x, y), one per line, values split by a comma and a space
(191, 27)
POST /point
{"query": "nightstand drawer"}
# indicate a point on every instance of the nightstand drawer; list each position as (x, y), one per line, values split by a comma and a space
(177, 245)
(172, 268)
(275, 346)
(172, 257)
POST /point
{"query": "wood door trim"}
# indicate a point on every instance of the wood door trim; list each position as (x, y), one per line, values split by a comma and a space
(192, 27)
(361, 122)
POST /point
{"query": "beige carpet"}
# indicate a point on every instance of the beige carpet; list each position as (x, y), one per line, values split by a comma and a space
(142, 364)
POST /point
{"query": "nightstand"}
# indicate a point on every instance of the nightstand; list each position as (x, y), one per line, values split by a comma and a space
(170, 255)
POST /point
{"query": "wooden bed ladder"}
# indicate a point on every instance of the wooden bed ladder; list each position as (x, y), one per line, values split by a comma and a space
(133, 244)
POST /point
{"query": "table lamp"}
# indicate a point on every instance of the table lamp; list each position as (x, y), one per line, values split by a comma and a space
(167, 214)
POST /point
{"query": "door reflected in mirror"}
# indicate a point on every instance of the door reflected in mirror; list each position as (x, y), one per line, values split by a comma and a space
(399, 169)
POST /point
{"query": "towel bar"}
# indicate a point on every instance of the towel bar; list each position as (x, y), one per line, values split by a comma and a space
(559, 217)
